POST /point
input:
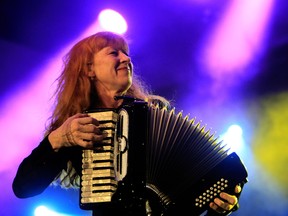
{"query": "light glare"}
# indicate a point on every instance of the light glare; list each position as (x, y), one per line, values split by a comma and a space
(44, 211)
(238, 37)
(233, 138)
(111, 20)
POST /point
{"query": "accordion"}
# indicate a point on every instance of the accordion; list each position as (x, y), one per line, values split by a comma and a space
(156, 159)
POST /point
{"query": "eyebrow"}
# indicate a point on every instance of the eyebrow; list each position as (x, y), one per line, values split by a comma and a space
(108, 48)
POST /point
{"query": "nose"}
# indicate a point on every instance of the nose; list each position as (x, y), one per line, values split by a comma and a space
(124, 57)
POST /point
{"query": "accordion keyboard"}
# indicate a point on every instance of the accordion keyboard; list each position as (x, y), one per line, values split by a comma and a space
(98, 182)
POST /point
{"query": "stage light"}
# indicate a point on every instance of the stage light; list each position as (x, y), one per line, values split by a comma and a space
(237, 39)
(44, 211)
(111, 20)
(233, 138)
(235, 130)
(33, 112)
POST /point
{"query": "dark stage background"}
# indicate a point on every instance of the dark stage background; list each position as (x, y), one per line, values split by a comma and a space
(224, 62)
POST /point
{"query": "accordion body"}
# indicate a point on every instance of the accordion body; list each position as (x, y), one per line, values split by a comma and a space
(156, 159)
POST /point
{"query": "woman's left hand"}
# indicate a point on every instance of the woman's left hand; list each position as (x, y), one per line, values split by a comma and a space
(226, 203)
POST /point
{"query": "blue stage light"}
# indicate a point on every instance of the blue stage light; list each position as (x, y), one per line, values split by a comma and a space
(233, 138)
(41, 211)
(235, 130)
(45, 211)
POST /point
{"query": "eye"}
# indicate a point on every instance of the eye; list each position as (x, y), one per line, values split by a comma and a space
(114, 53)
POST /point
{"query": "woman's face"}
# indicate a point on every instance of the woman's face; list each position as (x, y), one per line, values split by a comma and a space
(113, 70)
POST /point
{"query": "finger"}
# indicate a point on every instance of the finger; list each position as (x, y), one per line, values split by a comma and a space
(231, 199)
(88, 139)
(223, 205)
(86, 144)
(217, 208)
(96, 138)
(238, 189)
(85, 124)
(88, 120)
(88, 128)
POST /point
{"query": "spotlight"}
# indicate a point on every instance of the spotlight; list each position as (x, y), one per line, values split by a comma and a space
(235, 130)
(111, 20)
(44, 211)
(233, 138)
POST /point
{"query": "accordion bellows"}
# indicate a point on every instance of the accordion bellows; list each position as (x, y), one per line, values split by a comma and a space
(154, 149)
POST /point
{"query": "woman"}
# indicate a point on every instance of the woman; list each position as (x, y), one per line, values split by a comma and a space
(97, 69)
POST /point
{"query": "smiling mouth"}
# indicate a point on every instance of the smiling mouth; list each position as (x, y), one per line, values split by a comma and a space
(124, 68)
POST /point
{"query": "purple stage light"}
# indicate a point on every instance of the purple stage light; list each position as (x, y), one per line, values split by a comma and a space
(238, 37)
(26, 109)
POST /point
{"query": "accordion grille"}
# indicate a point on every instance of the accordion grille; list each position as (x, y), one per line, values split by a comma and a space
(179, 151)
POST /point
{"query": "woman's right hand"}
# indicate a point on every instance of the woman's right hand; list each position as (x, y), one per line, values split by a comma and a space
(80, 129)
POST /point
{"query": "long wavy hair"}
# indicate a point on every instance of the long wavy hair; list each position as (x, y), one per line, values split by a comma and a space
(75, 91)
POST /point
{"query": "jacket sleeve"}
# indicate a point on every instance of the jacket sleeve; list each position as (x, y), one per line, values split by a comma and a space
(38, 170)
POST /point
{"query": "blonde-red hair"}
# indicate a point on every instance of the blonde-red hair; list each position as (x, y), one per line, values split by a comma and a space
(75, 92)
